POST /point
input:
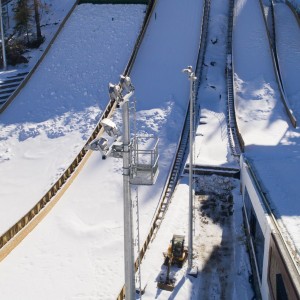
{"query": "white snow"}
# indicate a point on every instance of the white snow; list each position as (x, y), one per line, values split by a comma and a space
(49, 122)
(51, 16)
(93, 207)
(287, 33)
(211, 142)
(76, 252)
(271, 142)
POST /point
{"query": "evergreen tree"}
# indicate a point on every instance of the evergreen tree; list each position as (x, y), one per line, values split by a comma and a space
(27, 13)
(37, 5)
(22, 17)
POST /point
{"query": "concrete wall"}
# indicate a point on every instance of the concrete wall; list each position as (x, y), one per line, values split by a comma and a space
(248, 183)
(278, 259)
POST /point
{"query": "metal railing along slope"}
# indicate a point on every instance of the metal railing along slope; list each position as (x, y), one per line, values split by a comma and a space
(177, 164)
(277, 61)
(18, 231)
(294, 5)
(235, 138)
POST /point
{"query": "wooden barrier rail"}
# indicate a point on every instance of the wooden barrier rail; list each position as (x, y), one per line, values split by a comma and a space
(28, 217)
(281, 80)
(28, 76)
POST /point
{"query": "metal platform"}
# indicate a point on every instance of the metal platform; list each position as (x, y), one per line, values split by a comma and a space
(144, 168)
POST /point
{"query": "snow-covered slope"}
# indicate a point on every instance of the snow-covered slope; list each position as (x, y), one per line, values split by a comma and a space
(51, 119)
(211, 141)
(81, 240)
(288, 51)
(271, 141)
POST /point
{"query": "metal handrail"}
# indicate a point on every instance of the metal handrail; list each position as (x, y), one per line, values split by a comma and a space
(235, 138)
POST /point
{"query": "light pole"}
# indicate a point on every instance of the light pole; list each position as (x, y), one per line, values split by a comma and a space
(2, 37)
(192, 78)
(128, 223)
(116, 94)
(134, 172)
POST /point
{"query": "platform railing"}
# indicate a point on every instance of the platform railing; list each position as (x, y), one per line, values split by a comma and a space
(236, 141)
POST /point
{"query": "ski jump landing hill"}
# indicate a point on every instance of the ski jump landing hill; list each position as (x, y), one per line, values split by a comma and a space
(268, 123)
(162, 104)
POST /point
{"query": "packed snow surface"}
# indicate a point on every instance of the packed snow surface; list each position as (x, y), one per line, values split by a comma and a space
(211, 141)
(49, 122)
(271, 142)
(288, 33)
(52, 13)
(82, 237)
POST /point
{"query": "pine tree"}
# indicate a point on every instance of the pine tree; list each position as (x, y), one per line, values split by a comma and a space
(37, 5)
(27, 15)
(22, 17)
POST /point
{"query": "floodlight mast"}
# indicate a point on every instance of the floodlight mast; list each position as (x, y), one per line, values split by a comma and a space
(128, 216)
(121, 148)
(192, 78)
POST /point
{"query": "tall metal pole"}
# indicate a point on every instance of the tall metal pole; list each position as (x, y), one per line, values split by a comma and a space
(2, 37)
(192, 78)
(128, 223)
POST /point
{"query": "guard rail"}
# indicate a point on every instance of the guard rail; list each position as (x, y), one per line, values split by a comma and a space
(295, 7)
(236, 141)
